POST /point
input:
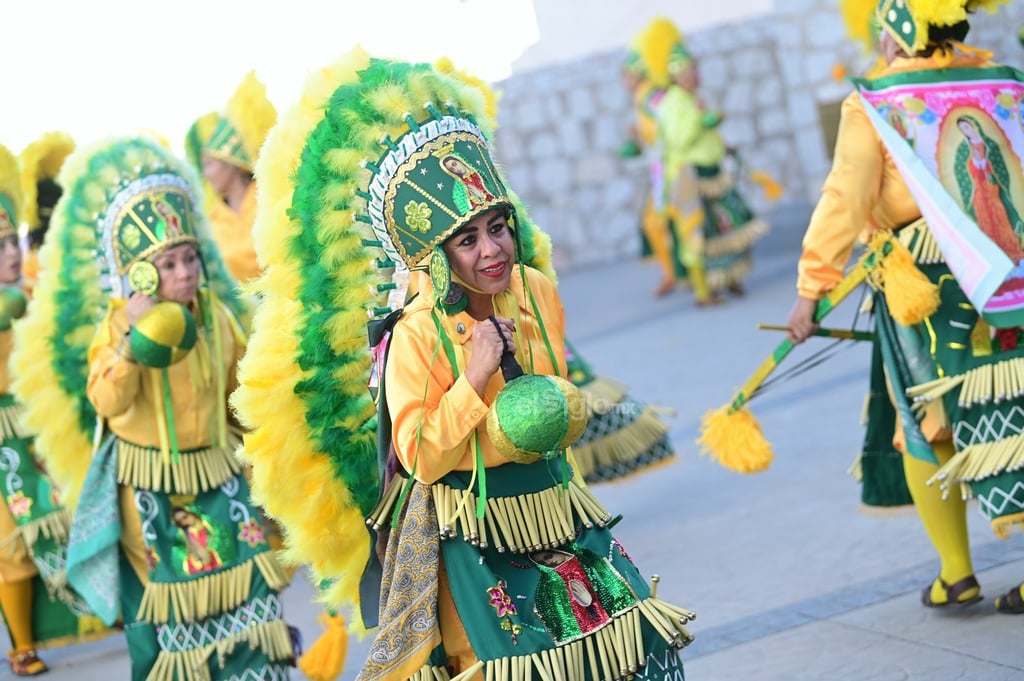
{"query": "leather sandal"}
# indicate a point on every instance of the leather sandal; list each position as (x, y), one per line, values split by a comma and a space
(1011, 602)
(25, 662)
(953, 593)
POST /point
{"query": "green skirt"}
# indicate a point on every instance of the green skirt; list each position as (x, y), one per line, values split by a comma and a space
(540, 585)
(59, 616)
(212, 607)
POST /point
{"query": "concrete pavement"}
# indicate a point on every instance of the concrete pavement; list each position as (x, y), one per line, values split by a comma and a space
(789, 579)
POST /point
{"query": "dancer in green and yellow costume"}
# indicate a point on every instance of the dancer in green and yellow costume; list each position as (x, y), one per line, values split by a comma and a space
(134, 340)
(947, 436)
(658, 236)
(384, 169)
(39, 609)
(623, 434)
(228, 157)
(41, 161)
(714, 225)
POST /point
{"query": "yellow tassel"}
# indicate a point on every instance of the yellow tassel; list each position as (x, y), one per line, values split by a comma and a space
(325, 659)
(771, 188)
(911, 297)
(734, 440)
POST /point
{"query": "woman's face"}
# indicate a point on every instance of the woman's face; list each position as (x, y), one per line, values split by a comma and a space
(10, 260)
(688, 77)
(454, 165)
(482, 253)
(889, 48)
(968, 130)
(220, 174)
(179, 268)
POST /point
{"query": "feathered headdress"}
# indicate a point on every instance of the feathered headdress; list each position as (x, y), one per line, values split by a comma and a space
(908, 21)
(662, 51)
(197, 137)
(861, 21)
(121, 197)
(363, 179)
(11, 200)
(41, 162)
(244, 125)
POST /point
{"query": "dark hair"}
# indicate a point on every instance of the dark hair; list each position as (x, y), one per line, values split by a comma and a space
(938, 36)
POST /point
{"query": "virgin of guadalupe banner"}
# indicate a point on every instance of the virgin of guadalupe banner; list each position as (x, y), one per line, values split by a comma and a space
(957, 138)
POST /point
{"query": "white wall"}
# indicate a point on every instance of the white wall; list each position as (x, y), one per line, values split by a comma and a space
(570, 29)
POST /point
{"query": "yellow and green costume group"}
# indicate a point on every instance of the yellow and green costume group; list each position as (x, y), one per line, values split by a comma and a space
(474, 566)
(164, 535)
(38, 607)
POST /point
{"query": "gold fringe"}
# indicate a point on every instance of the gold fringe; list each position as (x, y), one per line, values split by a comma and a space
(622, 447)
(192, 665)
(715, 187)
(519, 524)
(924, 249)
(855, 471)
(200, 598)
(603, 390)
(994, 382)
(981, 461)
(11, 424)
(720, 279)
(615, 651)
(194, 472)
(736, 240)
(1003, 524)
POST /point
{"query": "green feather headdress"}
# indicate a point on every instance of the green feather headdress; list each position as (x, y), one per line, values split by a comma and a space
(349, 201)
(80, 272)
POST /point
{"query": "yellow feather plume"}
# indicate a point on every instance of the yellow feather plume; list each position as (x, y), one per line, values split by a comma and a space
(858, 15)
(42, 160)
(251, 113)
(491, 96)
(734, 440)
(50, 411)
(654, 45)
(10, 182)
(291, 479)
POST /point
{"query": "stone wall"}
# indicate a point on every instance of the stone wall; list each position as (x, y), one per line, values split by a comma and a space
(560, 127)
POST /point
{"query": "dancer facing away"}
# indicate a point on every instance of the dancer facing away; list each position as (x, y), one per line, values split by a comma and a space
(947, 441)
(164, 532)
(489, 566)
(41, 162)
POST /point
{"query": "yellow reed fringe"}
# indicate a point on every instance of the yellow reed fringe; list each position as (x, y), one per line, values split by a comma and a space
(603, 390)
(994, 382)
(192, 665)
(911, 297)
(715, 187)
(855, 471)
(1002, 525)
(735, 440)
(11, 424)
(210, 595)
(615, 651)
(622, 447)
(519, 524)
(736, 240)
(325, 659)
(430, 673)
(194, 473)
(55, 526)
(981, 461)
(921, 243)
(722, 278)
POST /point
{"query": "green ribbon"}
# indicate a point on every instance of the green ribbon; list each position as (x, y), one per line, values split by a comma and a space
(172, 431)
